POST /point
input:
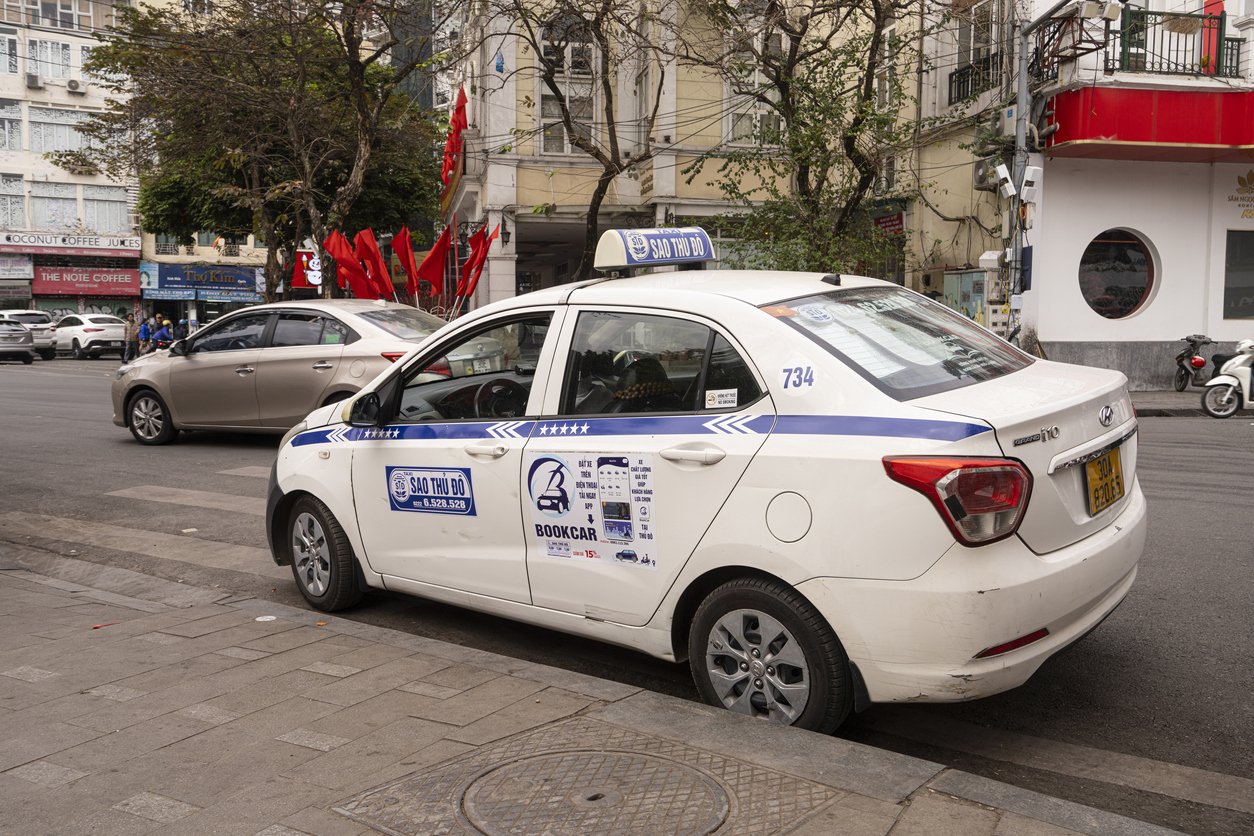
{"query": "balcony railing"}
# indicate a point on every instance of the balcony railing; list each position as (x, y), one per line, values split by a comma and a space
(1172, 43)
(974, 78)
(163, 248)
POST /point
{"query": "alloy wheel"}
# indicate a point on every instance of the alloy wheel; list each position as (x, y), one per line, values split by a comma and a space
(757, 666)
(147, 417)
(311, 554)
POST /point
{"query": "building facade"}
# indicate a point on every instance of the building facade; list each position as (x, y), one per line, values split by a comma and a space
(68, 239)
(1141, 123)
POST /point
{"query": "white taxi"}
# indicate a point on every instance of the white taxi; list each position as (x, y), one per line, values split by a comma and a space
(822, 491)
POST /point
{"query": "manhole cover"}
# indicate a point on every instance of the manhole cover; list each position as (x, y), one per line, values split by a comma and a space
(595, 792)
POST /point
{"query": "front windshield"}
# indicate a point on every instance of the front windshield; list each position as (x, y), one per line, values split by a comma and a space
(404, 323)
(905, 344)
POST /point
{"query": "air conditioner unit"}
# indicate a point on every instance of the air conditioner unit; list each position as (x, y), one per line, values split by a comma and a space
(984, 174)
(133, 220)
(34, 82)
(75, 85)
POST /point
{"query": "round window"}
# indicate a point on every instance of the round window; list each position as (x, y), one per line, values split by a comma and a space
(1116, 273)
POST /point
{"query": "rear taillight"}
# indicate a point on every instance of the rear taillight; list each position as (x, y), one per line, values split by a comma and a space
(393, 356)
(982, 500)
(92, 330)
(440, 367)
(1197, 362)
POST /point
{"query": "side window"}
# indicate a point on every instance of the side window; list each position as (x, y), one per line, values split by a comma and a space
(241, 332)
(335, 332)
(297, 329)
(68, 321)
(728, 381)
(486, 375)
(629, 363)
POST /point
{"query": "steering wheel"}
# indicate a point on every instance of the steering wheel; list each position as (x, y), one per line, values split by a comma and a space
(238, 344)
(500, 398)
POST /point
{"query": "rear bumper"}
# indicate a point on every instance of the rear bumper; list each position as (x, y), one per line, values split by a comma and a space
(916, 640)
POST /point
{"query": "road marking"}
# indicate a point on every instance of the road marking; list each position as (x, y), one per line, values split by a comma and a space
(1170, 779)
(191, 550)
(196, 499)
(255, 471)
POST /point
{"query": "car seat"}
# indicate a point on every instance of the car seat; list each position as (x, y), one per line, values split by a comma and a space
(644, 387)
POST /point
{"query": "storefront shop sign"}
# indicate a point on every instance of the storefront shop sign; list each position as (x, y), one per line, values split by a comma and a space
(228, 295)
(14, 289)
(85, 281)
(205, 277)
(54, 243)
(171, 294)
(890, 224)
(17, 267)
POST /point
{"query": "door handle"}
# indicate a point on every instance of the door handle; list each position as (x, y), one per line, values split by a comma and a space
(699, 455)
(323, 364)
(494, 451)
(243, 370)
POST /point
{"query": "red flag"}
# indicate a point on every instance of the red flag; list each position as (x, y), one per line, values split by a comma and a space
(480, 258)
(433, 266)
(453, 142)
(367, 250)
(347, 267)
(476, 244)
(403, 246)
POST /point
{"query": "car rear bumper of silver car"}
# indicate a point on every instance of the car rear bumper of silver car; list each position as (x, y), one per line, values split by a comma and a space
(919, 640)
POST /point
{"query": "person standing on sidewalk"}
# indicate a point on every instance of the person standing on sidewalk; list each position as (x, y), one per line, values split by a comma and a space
(130, 339)
(145, 334)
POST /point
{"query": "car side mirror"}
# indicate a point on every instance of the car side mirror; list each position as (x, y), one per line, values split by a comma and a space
(365, 411)
(178, 348)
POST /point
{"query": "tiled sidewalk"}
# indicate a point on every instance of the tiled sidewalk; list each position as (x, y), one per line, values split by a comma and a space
(132, 715)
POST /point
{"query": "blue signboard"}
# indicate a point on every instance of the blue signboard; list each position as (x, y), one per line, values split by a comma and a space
(208, 277)
(228, 295)
(173, 295)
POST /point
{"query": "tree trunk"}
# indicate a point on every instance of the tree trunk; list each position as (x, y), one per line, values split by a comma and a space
(584, 270)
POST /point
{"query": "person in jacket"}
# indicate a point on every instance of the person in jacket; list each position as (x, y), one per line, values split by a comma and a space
(180, 330)
(130, 339)
(165, 334)
(145, 337)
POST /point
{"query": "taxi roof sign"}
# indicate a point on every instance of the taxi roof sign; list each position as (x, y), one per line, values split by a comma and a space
(619, 249)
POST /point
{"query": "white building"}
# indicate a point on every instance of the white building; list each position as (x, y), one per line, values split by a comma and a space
(68, 240)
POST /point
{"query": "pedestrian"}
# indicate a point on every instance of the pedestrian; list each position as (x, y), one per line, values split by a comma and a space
(130, 349)
(145, 336)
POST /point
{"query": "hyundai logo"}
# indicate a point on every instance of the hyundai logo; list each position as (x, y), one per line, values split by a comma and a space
(1106, 416)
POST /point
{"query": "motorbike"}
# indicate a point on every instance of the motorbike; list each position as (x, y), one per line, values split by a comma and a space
(1230, 388)
(1190, 364)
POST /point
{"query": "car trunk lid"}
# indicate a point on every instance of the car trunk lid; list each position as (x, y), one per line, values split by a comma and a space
(1062, 422)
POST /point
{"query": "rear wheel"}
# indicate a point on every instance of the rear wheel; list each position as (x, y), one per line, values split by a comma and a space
(758, 647)
(48, 353)
(27, 359)
(77, 351)
(322, 558)
(1221, 401)
(1182, 379)
(149, 418)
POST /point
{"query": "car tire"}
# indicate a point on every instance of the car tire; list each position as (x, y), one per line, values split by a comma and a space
(48, 354)
(735, 637)
(1221, 401)
(1181, 381)
(28, 359)
(148, 418)
(77, 351)
(322, 558)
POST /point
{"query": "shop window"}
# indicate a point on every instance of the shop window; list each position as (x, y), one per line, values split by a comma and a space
(1239, 275)
(104, 209)
(53, 205)
(1117, 273)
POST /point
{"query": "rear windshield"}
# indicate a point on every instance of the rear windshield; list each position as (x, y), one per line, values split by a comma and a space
(404, 323)
(12, 327)
(102, 319)
(905, 344)
(31, 318)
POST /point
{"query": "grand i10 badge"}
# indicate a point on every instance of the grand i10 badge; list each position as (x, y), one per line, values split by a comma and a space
(1045, 434)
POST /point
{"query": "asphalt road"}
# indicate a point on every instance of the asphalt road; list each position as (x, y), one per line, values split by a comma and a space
(1149, 716)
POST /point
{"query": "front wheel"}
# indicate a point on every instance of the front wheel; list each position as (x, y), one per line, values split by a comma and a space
(758, 647)
(322, 558)
(1182, 379)
(1221, 401)
(149, 419)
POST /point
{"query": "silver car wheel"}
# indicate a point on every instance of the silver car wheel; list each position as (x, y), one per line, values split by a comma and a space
(311, 554)
(757, 666)
(147, 417)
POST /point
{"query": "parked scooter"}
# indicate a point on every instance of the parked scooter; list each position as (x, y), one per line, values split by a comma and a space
(1231, 387)
(1190, 364)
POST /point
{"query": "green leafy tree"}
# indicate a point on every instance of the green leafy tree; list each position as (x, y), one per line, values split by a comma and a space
(815, 123)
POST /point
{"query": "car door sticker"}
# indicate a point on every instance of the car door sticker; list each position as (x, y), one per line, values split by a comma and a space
(797, 378)
(592, 506)
(721, 398)
(431, 490)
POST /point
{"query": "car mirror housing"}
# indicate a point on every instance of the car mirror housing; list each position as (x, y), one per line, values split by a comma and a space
(365, 411)
(178, 348)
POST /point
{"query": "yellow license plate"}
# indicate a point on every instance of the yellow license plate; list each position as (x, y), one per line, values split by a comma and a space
(1103, 481)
